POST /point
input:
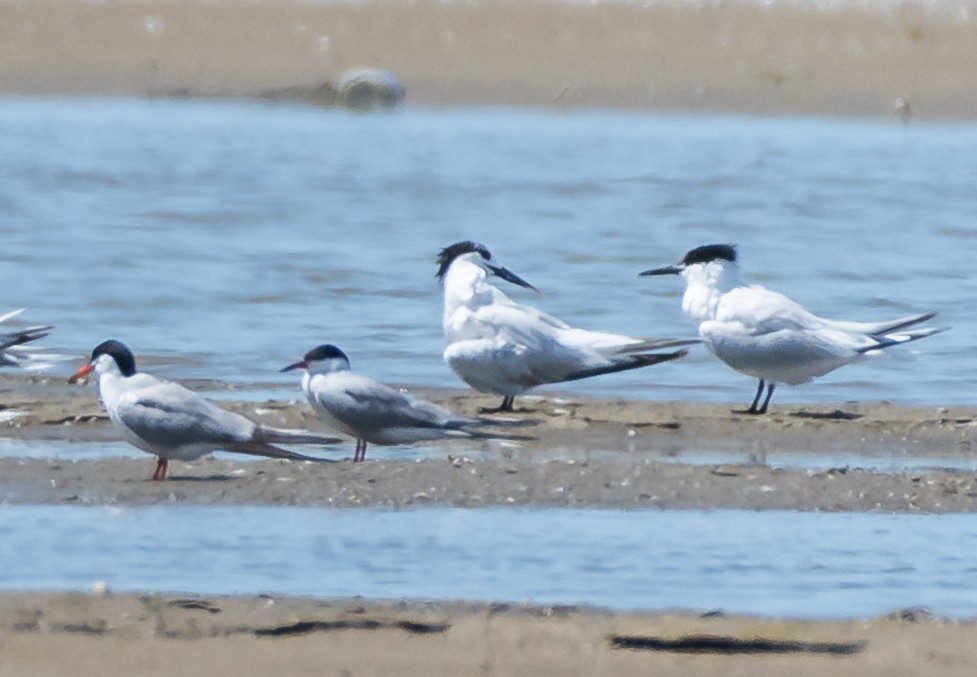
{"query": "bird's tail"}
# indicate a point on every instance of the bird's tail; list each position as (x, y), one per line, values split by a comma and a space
(898, 338)
(13, 352)
(481, 434)
(646, 345)
(23, 336)
(259, 448)
(287, 436)
(881, 329)
(626, 363)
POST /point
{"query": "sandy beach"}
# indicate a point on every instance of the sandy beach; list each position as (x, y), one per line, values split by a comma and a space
(102, 634)
(770, 58)
(582, 452)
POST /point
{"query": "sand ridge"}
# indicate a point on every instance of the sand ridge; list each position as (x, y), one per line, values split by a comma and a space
(101, 633)
(748, 57)
(582, 452)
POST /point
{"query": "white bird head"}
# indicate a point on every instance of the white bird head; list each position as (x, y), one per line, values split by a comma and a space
(108, 357)
(322, 359)
(708, 264)
(473, 253)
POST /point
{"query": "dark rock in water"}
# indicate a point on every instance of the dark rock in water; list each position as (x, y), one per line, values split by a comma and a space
(358, 89)
(369, 89)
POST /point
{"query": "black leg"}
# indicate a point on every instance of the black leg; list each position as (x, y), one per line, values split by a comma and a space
(756, 400)
(763, 409)
(507, 405)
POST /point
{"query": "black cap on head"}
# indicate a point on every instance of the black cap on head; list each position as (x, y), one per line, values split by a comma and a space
(710, 252)
(451, 252)
(118, 352)
(326, 351)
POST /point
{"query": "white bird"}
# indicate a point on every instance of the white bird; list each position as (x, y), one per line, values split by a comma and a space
(13, 352)
(764, 334)
(370, 411)
(169, 421)
(498, 346)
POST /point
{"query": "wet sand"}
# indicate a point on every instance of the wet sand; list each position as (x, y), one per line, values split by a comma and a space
(587, 452)
(581, 452)
(748, 57)
(102, 634)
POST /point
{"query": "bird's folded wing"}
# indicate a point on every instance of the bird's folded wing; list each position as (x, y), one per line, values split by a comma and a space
(519, 318)
(761, 311)
(380, 406)
(169, 415)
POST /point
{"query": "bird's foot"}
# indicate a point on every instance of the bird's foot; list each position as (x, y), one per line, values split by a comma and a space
(507, 410)
(748, 412)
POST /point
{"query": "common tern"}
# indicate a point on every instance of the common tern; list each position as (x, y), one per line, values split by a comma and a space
(764, 334)
(13, 352)
(372, 412)
(498, 346)
(169, 421)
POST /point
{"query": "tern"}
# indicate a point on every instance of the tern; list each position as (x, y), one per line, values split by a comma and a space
(370, 411)
(13, 352)
(764, 334)
(498, 346)
(169, 421)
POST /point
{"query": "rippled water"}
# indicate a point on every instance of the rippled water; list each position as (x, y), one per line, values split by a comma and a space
(807, 565)
(224, 239)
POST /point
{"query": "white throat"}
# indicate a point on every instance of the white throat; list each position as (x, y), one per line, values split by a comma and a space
(109, 381)
(466, 286)
(705, 285)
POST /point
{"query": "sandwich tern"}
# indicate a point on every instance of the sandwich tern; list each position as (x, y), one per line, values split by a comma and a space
(498, 346)
(764, 334)
(169, 421)
(373, 412)
(13, 352)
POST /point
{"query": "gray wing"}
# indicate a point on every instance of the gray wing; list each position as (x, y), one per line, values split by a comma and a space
(167, 415)
(367, 405)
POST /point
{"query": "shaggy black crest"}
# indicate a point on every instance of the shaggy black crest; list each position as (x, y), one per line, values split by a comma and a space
(118, 352)
(710, 252)
(451, 252)
(326, 351)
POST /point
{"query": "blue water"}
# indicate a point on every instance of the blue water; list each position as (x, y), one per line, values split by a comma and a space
(223, 239)
(777, 563)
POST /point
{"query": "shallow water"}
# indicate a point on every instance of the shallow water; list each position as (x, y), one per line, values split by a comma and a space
(892, 462)
(223, 239)
(778, 563)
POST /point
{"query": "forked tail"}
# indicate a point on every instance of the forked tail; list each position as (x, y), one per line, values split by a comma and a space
(647, 345)
(896, 339)
(257, 448)
(286, 436)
